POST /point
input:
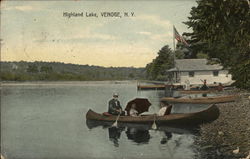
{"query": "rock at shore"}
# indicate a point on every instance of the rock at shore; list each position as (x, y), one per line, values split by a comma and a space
(229, 132)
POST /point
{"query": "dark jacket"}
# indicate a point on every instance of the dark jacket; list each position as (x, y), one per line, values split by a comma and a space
(204, 87)
(113, 105)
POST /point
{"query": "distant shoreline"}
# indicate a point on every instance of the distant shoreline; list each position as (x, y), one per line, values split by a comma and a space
(6, 83)
(49, 71)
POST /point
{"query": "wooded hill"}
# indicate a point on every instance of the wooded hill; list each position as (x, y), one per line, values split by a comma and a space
(55, 71)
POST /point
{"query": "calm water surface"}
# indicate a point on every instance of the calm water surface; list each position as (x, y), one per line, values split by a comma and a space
(47, 120)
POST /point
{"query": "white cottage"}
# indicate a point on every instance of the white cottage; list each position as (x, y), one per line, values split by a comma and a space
(193, 71)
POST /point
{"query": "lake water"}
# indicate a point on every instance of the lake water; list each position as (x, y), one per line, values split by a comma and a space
(47, 121)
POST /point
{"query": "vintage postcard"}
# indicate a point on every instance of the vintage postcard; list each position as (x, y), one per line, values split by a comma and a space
(113, 79)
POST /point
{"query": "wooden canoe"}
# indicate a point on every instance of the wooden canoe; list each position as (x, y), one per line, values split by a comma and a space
(197, 91)
(158, 87)
(201, 100)
(151, 87)
(207, 115)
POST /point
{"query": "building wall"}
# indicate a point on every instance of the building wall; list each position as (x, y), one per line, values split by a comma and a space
(223, 77)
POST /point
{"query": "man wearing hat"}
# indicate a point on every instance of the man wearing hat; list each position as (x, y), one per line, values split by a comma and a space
(115, 106)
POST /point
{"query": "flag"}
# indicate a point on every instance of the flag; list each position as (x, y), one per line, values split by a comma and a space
(179, 38)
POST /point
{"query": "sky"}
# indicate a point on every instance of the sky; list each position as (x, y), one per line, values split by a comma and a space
(38, 31)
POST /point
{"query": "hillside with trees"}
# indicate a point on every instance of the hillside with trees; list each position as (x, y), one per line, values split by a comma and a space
(55, 71)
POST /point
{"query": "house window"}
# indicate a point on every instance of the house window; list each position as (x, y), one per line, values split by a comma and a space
(215, 73)
(191, 74)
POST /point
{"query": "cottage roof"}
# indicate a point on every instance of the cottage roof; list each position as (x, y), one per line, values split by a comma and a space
(194, 65)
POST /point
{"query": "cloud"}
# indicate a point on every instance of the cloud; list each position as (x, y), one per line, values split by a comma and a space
(78, 38)
(144, 33)
(24, 8)
(77, 35)
(98, 36)
(155, 20)
(114, 54)
(157, 36)
(163, 34)
(90, 32)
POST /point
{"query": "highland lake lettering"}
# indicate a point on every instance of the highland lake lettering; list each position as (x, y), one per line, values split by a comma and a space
(110, 14)
(96, 14)
(72, 14)
(91, 14)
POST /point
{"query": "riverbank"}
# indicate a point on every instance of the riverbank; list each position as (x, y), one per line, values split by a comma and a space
(230, 131)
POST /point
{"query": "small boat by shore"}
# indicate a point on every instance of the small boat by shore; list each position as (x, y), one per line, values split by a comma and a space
(201, 100)
(184, 119)
(151, 87)
(197, 91)
(159, 87)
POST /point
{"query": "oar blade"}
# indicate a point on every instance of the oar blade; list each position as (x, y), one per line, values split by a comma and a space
(115, 124)
(154, 126)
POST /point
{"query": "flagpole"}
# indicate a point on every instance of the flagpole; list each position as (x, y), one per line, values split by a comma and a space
(174, 43)
(174, 36)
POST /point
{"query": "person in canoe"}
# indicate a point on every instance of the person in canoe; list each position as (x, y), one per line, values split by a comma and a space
(114, 106)
(165, 109)
(220, 87)
(204, 86)
(187, 85)
(133, 111)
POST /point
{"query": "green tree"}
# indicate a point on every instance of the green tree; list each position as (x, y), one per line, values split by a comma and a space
(7, 76)
(131, 75)
(149, 68)
(46, 69)
(179, 54)
(182, 51)
(32, 68)
(201, 55)
(221, 30)
(157, 68)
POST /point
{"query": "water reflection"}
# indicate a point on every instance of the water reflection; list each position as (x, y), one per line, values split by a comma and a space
(139, 136)
(115, 134)
(140, 133)
(166, 137)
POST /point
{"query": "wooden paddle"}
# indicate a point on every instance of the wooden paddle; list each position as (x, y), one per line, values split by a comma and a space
(154, 126)
(115, 123)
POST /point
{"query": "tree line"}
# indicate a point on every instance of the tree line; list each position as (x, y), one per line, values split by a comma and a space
(55, 71)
